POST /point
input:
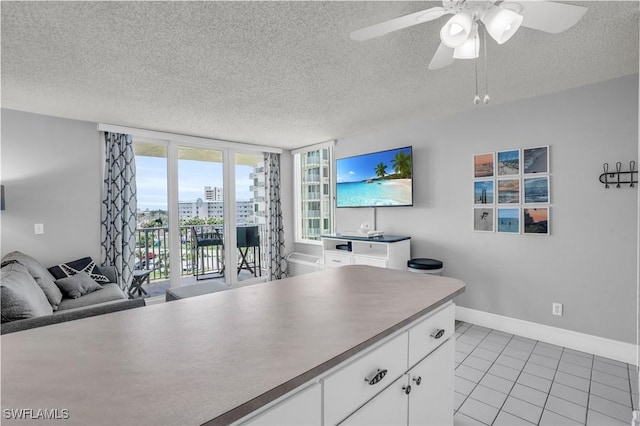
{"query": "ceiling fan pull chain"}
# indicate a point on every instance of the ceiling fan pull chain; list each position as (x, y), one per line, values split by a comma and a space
(476, 99)
(486, 75)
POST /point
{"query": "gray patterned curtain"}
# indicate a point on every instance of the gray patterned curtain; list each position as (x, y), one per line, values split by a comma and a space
(275, 230)
(119, 205)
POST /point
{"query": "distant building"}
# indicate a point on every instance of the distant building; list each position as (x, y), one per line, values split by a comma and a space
(213, 194)
(205, 209)
(316, 195)
(259, 189)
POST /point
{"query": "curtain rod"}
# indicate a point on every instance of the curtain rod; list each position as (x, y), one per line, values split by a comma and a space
(196, 140)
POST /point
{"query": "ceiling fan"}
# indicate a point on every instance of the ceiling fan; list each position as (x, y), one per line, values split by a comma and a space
(501, 19)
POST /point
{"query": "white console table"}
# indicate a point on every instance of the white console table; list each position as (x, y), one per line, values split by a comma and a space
(387, 251)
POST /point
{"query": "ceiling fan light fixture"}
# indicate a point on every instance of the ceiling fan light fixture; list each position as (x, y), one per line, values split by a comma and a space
(457, 29)
(470, 49)
(502, 23)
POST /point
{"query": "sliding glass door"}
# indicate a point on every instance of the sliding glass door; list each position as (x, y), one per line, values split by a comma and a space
(250, 213)
(152, 230)
(201, 215)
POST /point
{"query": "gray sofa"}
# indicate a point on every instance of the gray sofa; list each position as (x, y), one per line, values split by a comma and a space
(31, 296)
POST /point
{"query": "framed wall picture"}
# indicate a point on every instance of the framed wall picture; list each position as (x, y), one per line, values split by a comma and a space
(483, 165)
(535, 189)
(508, 220)
(509, 191)
(535, 220)
(483, 192)
(483, 219)
(535, 160)
(508, 162)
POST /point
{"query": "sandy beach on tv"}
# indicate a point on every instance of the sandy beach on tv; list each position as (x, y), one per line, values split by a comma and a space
(381, 192)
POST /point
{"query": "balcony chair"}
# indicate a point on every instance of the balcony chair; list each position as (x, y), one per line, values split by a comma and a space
(249, 237)
(202, 238)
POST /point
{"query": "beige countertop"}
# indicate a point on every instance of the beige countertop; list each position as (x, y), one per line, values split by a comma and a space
(212, 358)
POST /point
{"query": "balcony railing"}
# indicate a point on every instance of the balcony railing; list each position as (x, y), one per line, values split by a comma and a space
(152, 252)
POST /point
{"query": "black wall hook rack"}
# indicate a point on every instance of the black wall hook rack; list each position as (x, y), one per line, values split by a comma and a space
(619, 178)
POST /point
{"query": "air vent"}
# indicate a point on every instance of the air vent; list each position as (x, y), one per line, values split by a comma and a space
(301, 263)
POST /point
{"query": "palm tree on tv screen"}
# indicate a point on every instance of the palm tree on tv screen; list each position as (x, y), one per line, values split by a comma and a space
(381, 170)
(401, 164)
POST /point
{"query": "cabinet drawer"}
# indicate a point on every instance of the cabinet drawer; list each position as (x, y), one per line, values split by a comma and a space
(371, 261)
(332, 260)
(428, 335)
(346, 389)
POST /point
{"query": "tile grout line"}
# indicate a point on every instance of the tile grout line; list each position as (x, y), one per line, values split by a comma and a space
(487, 372)
(516, 381)
(553, 381)
(483, 375)
(607, 399)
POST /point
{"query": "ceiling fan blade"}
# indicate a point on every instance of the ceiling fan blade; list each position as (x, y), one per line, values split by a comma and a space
(399, 23)
(442, 57)
(547, 16)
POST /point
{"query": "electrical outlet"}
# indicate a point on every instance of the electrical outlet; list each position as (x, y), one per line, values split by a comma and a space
(557, 309)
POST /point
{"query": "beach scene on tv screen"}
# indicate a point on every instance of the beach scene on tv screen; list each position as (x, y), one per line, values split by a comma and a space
(376, 179)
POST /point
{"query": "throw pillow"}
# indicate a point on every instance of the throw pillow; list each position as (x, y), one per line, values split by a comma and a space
(20, 295)
(39, 273)
(86, 264)
(78, 285)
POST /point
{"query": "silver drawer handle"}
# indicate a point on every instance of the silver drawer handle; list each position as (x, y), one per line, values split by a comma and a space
(438, 333)
(374, 378)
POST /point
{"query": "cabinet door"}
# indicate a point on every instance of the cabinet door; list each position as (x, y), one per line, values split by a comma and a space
(388, 408)
(302, 409)
(431, 401)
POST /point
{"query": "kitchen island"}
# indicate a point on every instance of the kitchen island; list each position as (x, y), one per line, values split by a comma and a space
(217, 358)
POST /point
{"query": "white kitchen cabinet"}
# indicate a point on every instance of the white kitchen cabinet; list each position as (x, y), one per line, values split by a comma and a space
(421, 397)
(387, 251)
(405, 379)
(431, 401)
(361, 379)
(304, 408)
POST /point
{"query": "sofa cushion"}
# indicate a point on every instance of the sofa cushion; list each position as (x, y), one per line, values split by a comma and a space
(108, 293)
(40, 274)
(20, 296)
(85, 264)
(77, 285)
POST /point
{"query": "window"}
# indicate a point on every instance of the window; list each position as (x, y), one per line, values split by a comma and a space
(314, 198)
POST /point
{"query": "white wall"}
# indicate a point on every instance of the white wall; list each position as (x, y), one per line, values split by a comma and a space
(51, 170)
(52, 173)
(588, 263)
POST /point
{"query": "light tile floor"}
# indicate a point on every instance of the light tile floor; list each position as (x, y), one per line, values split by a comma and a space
(504, 379)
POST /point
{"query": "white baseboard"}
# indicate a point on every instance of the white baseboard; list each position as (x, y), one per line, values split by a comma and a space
(612, 349)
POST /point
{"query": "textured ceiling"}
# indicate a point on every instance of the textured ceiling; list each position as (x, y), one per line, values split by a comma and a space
(283, 74)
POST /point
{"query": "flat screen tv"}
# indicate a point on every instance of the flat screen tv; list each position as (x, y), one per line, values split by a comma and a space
(377, 179)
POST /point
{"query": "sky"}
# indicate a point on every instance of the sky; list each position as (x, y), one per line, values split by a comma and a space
(362, 167)
(193, 176)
